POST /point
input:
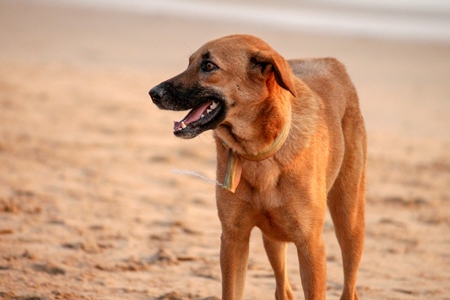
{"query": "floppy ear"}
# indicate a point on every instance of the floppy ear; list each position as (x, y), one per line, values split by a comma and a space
(270, 61)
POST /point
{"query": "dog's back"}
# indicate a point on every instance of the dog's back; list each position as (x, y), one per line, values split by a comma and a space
(328, 78)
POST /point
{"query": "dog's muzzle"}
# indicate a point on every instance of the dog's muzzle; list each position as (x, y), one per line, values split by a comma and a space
(206, 106)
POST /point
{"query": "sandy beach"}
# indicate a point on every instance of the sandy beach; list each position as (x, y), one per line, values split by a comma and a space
(91, 205)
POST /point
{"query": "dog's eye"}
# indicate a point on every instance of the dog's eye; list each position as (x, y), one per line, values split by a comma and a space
(208, 66)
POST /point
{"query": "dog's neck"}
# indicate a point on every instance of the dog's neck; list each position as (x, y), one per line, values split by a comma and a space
(270, 151)
(254, 132)
(301, 124)
(234, 164)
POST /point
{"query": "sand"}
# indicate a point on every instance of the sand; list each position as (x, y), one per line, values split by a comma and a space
(90, 206)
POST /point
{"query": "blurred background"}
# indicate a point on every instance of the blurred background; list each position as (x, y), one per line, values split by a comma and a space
(413, 19)
(90, 206)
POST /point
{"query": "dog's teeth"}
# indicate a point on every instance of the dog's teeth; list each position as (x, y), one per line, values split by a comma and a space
(202, 116)
(183, 125)
(208, 111)
(214, 105)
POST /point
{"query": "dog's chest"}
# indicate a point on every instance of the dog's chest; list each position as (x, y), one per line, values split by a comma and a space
(269, 192)
(278, 224)
(261, 176)
(262, 185)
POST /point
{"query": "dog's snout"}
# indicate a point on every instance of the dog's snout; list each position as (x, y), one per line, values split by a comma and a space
(157, 93)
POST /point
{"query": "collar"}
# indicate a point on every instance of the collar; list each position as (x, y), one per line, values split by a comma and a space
(234, 165)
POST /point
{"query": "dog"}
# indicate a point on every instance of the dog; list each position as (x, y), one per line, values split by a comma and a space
(290, 140)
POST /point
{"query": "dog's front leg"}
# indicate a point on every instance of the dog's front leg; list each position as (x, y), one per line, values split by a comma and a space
(312, 259)
(311, 255)
(233, 261)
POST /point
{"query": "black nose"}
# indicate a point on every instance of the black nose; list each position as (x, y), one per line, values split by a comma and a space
(157, 93)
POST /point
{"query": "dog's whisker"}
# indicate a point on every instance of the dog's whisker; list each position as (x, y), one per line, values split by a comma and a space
(196, 174)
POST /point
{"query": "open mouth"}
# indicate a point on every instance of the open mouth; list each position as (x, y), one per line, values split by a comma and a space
(199, 119)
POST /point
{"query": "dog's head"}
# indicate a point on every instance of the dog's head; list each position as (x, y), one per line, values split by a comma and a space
(225, 80)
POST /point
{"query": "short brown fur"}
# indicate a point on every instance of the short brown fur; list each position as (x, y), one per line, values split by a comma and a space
(321, 162)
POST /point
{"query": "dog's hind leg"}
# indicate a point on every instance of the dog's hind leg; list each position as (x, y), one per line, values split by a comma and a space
(276, 252)
(346, 203)
(347, 211)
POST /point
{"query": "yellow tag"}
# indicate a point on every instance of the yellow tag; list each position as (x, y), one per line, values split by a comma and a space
(233, 173)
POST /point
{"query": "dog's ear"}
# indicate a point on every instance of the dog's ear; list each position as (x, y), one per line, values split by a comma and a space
(267, 62)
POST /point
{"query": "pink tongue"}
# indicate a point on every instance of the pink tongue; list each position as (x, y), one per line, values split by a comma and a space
(193, 115)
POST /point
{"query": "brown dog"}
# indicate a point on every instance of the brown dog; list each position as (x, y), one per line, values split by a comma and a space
(290, 138)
